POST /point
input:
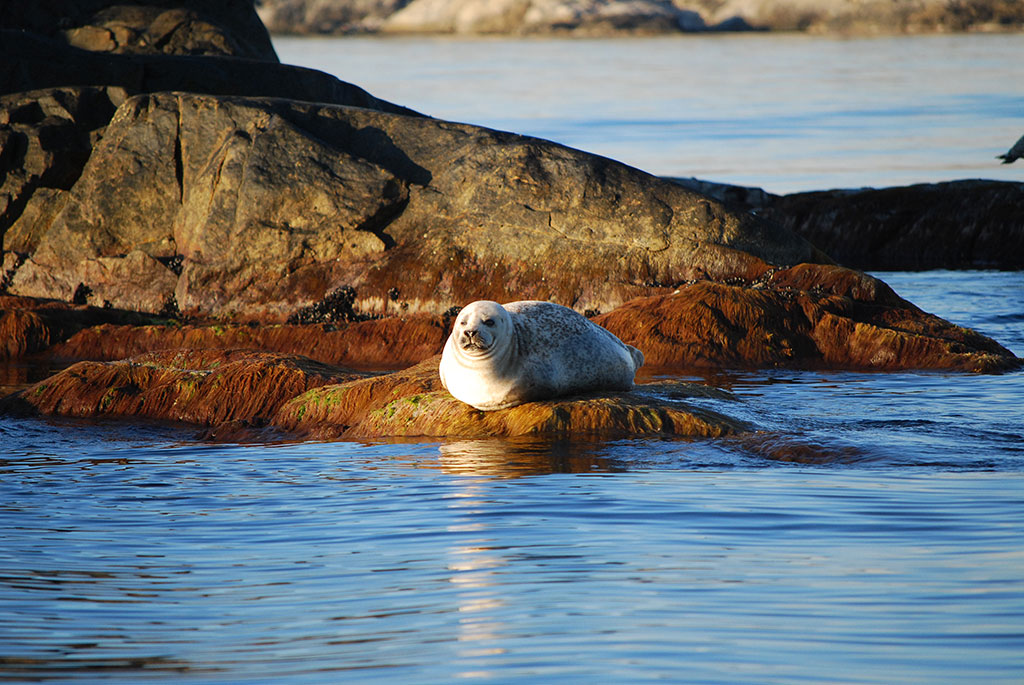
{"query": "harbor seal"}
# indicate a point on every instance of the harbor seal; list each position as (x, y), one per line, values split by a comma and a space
(501, 356)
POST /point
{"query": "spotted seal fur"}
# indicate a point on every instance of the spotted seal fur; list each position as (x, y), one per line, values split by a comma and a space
(501, 356)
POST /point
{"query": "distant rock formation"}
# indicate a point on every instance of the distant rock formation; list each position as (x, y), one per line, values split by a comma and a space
(513, 17)
(971, 224)
(611, 17)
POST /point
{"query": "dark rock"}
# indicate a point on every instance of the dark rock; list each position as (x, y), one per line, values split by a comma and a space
(30, 61)
(956, 225)
(180, 27)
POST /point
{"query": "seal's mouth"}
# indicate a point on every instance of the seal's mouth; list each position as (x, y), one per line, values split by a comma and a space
(472, 342)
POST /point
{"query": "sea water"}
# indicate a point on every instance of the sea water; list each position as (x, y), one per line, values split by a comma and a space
(885, 545)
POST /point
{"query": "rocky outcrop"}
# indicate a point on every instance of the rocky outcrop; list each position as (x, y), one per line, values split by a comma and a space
(29, 326)
(955, 225)
(203, 387)
(387, 343)
(413, 403)
(229, 391)
(610, 17)
(868, 17)
(972, 224)
(30, 62)
(254, 209)
(182, 27)
(808, 316)
(519, 17)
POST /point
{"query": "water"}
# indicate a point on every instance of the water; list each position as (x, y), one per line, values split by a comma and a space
(884, 545)
(785, 113)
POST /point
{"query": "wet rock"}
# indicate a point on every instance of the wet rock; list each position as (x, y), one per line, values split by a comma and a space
(29, 326)
(271, 205)
(204, 387)
(387, 343)
(413, 403)
(807, 316)
(183, 27)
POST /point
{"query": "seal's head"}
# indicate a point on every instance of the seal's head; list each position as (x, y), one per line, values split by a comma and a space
(482, 329)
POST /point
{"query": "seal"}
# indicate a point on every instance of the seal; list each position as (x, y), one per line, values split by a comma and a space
(501, 356)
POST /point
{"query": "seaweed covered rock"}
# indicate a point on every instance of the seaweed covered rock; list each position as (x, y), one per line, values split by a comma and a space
(413, 403)
(386, 343)
(810, 316)
(204, 387)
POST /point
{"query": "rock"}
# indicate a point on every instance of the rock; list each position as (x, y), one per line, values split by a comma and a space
(29, 61)
(389, 343)
(972, 224)
(807, 316)
(608, 17)
(230, 390)
(586, 17)
(866, 17)
(29, 326)
(412, 403)
(956, 225)
(204, 387)
(183, 27)
(268, 206)
(326, 16)
(45, 139)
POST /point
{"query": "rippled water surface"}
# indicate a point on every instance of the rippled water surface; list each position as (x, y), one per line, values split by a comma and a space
(872, 532)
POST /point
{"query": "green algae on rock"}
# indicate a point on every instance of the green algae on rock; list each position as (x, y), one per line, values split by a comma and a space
(412, 403)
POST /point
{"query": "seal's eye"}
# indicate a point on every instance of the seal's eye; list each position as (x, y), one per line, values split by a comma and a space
(489, 322)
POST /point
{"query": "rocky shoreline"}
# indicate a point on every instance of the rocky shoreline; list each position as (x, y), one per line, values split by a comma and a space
(209, 236)
(602, 18)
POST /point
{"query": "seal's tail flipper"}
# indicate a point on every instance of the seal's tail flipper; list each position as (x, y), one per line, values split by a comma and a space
(638, 357)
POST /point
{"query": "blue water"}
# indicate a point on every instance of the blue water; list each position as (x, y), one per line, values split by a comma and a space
(872, 532)
(782, 112)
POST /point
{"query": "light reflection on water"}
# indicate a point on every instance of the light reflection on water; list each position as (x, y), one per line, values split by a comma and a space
(405, 562)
